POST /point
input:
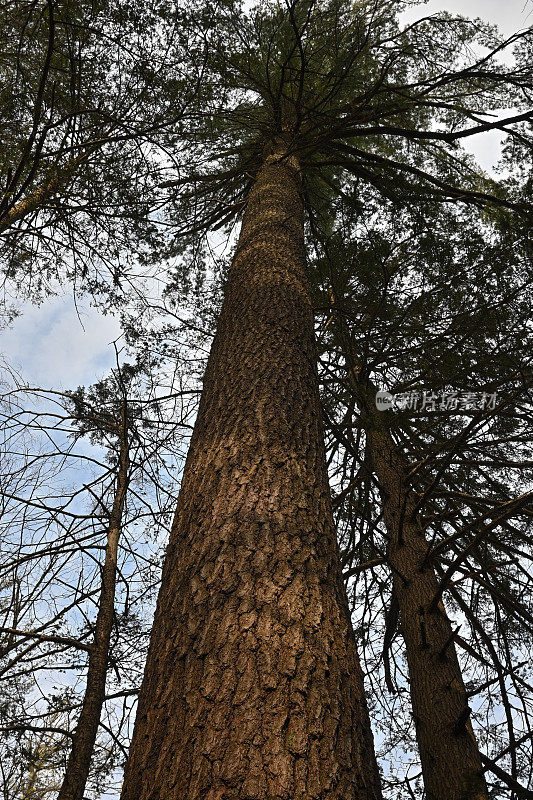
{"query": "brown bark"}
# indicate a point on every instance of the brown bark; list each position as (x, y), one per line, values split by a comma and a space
(42, 195)
(252, 688)
(79, 761)
(449, 754)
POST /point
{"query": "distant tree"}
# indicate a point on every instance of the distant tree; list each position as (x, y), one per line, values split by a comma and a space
(92, 97)
(439, 304)
(73, 547)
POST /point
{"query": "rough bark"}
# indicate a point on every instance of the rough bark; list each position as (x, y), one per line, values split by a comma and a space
(449, 754)
(77, 771)
(252, 688)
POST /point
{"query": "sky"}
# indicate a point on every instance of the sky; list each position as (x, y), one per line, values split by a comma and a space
(58, 346)
(509, 15)
(61, 344)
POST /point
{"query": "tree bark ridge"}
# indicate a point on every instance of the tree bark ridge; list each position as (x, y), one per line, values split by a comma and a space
(253, 688)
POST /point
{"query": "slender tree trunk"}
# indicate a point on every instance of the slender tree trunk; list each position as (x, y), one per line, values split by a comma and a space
(73, 786)
(253, 688)
(449, 753)
(57, 182)
(28, 204)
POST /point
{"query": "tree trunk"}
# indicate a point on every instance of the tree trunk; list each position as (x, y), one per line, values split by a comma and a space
(253, 688)
(37, 199)
(449, 753)
(73, 786)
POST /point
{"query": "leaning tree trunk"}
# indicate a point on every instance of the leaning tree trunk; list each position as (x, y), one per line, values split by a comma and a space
(253, 688)
(449, 753)
(43, 194)
(79, 761)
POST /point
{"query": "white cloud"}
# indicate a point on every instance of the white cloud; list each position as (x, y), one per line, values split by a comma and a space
(55, 346)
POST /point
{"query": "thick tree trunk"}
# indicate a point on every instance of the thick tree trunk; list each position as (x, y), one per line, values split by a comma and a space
(252, 688)
(73, 786)
(449, 753)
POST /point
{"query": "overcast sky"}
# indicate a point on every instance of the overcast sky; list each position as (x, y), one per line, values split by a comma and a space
(509, 15)
(54, 347)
